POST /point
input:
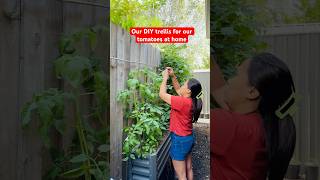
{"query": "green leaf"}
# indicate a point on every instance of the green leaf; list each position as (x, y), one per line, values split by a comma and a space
(79, 158)
(92, 39)
(74, 69)
(65, 46)
(103, 163)
(60, 126)
(53, 173)
(26, 113)
(104, 148)
(73, 173)
(132, 156)
(133, 83)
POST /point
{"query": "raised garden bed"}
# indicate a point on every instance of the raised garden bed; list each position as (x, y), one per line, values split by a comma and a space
(151, 167)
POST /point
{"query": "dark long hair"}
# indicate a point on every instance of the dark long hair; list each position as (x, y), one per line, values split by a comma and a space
(195, 87)
(272, 78)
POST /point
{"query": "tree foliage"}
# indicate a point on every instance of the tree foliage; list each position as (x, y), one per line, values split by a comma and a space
(308, 12)
(189, 13)
(234, 29)
(155, 13)
(132, 13)
(171, 58)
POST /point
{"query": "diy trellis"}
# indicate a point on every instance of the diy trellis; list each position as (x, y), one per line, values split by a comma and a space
(115, 60)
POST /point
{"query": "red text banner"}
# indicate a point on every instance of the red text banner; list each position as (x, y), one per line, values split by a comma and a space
(162, 34)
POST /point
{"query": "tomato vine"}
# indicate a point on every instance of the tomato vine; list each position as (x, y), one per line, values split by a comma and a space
(87, 156)
(148, 113)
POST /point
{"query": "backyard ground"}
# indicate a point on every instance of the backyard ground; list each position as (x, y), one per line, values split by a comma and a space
(201, 150)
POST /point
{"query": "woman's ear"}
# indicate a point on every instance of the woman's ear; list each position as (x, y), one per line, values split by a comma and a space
(253, 93)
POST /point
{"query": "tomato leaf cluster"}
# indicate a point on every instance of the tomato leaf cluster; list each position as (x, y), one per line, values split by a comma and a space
(148, 114)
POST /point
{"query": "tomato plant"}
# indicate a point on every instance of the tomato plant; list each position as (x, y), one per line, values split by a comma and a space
(87, 156)
(149, 114)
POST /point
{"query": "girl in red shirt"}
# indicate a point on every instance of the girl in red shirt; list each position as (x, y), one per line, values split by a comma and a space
(185, 109)
(252, 134)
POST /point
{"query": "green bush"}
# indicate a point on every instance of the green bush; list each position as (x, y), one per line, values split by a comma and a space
(234, 29)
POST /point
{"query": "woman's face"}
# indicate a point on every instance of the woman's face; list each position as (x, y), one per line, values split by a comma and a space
(184, 90)
(238, 89)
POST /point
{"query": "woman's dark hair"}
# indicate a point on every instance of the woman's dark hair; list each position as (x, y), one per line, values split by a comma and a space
(195, 87)
(272, 78)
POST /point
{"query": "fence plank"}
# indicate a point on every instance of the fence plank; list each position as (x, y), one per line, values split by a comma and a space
(32, 78)
(9, 71)
(312, 72)
(292, 59)
(134, 53)
(114, 154)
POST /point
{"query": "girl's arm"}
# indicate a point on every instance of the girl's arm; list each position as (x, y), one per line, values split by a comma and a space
(163, 88)
(218, 85)
(175, 83)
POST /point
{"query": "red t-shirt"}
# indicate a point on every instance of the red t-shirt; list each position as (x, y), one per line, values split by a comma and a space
(181, 115)
(237, 146)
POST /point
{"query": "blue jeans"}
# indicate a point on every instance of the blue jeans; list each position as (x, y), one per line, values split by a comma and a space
(181, 146)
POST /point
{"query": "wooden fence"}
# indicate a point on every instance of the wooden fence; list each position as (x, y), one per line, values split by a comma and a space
(299, 47)
(29, 33)
(125, 55)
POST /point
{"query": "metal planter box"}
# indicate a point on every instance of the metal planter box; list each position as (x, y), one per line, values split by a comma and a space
(151, 167)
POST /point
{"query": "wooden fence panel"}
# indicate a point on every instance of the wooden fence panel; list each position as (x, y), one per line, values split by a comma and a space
(30, 32)
(125, 55)
(114, 140)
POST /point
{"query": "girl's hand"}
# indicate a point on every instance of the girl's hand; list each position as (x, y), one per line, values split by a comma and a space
(170, 71)
(165, 74)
